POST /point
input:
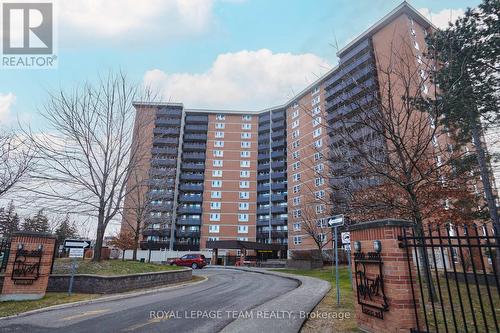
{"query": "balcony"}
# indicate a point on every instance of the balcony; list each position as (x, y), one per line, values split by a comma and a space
(190, 146)
(164, 162)
(263, 156)
(164, 232)
(278, 135)
(279, 221)
(278, 186)
(262, 188)
(264, 176)
(154, 245)
(263, 210)
(187, 234)
(200, 119)
(169, 112)
(188, 221)
(189, 210)
(278, 115)
(167, 122)
(263, 167)
(278, 165)
(278, 175)
(191, 187)
(192, 176)
(163, 207)
(262, 234)
(167, 150)
(195, 137)
(263, 146)
(262, 199)
(162, 172)
(278, 125)
(264, 128)
(278, 154)
(196, 128)
(279, 234)
(165, 141)
(193, 156)
(278, 144)
(262, 222)
(278, 197)
(277, 209)
(165, 182)
(166, 131)
(193, 166)
(198, 198)
(160, 195)
(263, 138)
(186, 246)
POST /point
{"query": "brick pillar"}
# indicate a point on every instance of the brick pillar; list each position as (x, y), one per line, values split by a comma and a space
(400, 314)
(28, 268)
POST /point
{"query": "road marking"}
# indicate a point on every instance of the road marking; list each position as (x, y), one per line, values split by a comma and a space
(85, 314)
(150, 321)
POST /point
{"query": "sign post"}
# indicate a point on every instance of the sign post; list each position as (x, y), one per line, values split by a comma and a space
(76, 250)
(346, 243)
(334, 222)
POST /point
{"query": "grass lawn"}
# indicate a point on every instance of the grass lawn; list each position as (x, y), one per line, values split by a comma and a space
(329, 302)
(109, 267)
(14, 307)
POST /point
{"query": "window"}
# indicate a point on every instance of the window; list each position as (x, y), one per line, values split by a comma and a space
(434, 141)
(246, 126)
(244, 184)
(214, 229)
(425, 89)
(217, 163)
(295, 105)
(220, 117)
(245, 144)
(242, 217)
(245, 154)
(246, 117)
(322, 238)
(295, 114)
(317, 132)
(319, 194)
(218, 143)
(322, 223)
(219, 135)
(296, 201)
(246, 135)
(297, 240)
(245, 164)
(316, 110)
(217, 173)
(244, 195)
(296, 226)
(319, 167)
(439, 161)
(220, 125)
(415, 45)
(243, 206)
(295, 123)
(315, 91)
(216, 183)
(216, 195)
(244, 239)
(318, 143)
(296, 188)
(213, 239)
(245, 174)
(320, 209)
(243, 229)
(316, 121)
(419, 59)
(215, 205)
(315, 100)
(297, 213)
(319, 181)
(295, 166)
(296, 155)
(295, 134)
(214, 217)
(218, 153)
(318, 156)
(295, 144)
(296, 177)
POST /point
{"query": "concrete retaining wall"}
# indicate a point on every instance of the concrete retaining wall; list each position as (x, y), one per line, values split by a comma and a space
(96, 284)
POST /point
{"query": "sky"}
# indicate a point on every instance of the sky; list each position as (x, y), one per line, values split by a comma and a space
(241, 54)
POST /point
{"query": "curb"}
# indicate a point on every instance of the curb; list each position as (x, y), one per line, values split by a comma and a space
(102, 299)
(291, 305)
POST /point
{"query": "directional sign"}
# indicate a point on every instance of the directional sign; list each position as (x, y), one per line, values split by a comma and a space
(76, 252)
(335, 221)
(76, 243)
(346, 237)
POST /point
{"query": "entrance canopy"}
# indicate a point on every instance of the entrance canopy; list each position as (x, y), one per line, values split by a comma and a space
(236, 244)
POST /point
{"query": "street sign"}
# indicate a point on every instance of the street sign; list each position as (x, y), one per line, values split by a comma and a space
(347, 247)
(346, 237)
(335, 221)
(76, 243)
(76, 252)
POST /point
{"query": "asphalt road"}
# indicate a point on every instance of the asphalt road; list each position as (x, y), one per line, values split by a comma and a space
(204, 307)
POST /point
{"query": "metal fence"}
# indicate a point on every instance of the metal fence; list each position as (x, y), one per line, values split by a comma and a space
(4, 253)
(454, 277)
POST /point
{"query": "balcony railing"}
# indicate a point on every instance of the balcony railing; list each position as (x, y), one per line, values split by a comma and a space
(192, 176)
(194, 146)
(262, 188)
(196, 119)
(193, 156)
(278, 197)
(263, 167)
(169, 112)
(264, 128)
(278, 209)
(278, 144)
(191, 187)
(191, 198)
(278, 154)
(187, 234)
(189, 210)
(195, 137)
(188, 221)
(165, 141)
(193, 166)
(166, 131)
(196, 128)
(167, 122)
(278, 175)
(263, 177)
(262, 198)
(154, 245)
(278, 186)
(165, 150)
(278, 125)
(277, 135)
(278, 165)
(159, 162)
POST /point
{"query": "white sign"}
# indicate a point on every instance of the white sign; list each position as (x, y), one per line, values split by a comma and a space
(346, 237)
(347, 247)
(77, 243)
(76, 252)
(335, 221)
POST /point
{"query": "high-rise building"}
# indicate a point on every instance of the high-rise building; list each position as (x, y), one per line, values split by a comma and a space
(259, 175)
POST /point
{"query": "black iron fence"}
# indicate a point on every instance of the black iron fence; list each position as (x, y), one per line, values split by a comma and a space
(4, 253)
(455, 278)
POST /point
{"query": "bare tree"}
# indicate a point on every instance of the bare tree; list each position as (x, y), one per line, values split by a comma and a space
(315, 226)
(15, 161)
(87, 156)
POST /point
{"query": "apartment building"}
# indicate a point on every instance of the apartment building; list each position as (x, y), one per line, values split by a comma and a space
(261, 176)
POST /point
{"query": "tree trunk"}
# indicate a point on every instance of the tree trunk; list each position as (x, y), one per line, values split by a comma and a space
(487, 186)
(136, 241)
(99, 237)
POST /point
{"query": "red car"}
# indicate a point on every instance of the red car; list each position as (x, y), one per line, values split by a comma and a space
(191, 260)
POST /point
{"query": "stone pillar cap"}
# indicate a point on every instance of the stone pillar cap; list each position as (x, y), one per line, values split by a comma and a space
(381, 223)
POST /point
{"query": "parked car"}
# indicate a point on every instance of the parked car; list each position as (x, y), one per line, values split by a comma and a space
(190, 260)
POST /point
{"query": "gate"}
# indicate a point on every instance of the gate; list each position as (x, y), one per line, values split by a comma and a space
(454, 279)
(4, 253)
